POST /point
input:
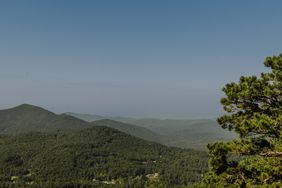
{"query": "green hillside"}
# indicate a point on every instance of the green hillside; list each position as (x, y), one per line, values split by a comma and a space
(95, 157)
(184, 133)
(26, 118)
(137, 131)
(41, 149)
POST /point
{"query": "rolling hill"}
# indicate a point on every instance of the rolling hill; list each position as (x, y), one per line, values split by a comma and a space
(137, 131)
(28, 118)
(184, 133)
(194, 134)
(92, 157)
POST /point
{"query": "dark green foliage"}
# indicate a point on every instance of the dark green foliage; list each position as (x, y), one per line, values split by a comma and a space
(254, 107)
(41, 149)
(27, 118)
(75, 159)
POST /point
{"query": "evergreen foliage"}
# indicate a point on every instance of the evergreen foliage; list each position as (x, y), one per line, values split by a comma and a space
(254, 111)
(95, 157)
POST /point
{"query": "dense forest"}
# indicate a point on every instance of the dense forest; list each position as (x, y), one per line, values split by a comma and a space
(39, 148)
(96, 156)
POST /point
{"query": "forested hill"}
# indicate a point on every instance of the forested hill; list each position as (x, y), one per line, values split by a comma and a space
(28, 118)
(137, 131)
(41, 149)
(179, 133)
(95, 157)
(184, 133)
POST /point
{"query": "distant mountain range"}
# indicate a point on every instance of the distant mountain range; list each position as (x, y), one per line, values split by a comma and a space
(184, 133)
(41, 149)
(28, 118)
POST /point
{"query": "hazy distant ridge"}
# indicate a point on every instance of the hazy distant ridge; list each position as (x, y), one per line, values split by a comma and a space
(28, 118)
(186, 133)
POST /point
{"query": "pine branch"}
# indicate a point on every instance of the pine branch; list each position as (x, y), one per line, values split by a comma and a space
(272, 154)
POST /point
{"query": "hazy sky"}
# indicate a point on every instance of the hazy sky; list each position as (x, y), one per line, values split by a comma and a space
(132, 58)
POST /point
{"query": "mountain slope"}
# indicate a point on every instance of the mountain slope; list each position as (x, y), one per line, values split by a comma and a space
(28, 118)
(137, 131)
(184, 133)
(180, 133)
(95, 157)
(86, 117)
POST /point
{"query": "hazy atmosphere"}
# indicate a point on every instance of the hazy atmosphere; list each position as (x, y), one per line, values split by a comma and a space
(140, 94)
(132, 58)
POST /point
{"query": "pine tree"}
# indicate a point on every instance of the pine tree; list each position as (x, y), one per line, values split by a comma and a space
(253, 110)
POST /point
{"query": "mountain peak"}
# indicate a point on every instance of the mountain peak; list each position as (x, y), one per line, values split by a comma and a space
(29, 118)
(25, 105)
(30, 108)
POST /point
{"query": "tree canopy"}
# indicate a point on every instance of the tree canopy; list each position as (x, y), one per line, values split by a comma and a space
(253, 110)
(95, 157)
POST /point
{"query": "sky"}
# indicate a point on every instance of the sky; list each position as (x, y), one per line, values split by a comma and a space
(159, 58)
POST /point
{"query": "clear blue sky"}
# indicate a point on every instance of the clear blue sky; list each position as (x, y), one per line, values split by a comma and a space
(132, 58)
